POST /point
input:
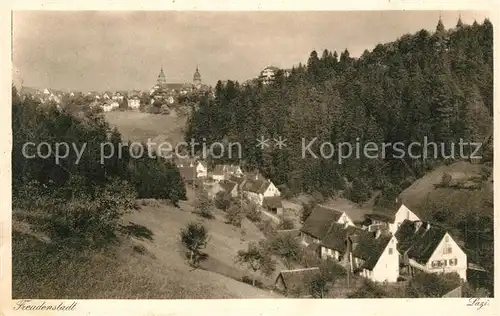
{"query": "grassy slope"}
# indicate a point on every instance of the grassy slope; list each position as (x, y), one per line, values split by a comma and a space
(159, 272)
(138, 126)
(422, 191)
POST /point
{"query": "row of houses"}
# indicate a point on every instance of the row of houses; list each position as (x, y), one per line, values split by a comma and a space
(383, 248)
(252, 186)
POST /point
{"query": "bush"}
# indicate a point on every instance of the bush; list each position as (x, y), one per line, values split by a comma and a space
(234, 215)
(286, 224)
(445, 179)
(222, 200)
(194, 237)
(252, 212)
(267, 227)
(203, 206)
(307, 209)
(359, 192)
(318, 197)
(286, 193)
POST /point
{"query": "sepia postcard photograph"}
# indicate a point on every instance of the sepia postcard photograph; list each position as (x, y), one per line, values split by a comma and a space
(237, 155)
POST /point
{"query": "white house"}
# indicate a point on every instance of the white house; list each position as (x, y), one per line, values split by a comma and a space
(267, 74)
(390, 222)
(382, 259)
(372, 255)
(257, 190)
(321, 222)
(201, 168)
(134, 103)
(430, 248)
(109, 105)
(402, 214)
(226, 171)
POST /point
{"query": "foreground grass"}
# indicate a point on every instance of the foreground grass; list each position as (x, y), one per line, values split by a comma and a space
(148, 264)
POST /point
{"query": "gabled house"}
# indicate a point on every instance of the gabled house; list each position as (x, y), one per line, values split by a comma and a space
(257, 190)
(240, 182)
(226, 171)
(134, 102)
(230, 187)
(374, 257)
(273, 205)
(292, 282)
(430, 248)
(390, 221)
(212, 188)
(200, 166)
(320, 221)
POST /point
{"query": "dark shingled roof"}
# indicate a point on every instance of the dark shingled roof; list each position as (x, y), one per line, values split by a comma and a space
(385, 217)
(295, 278)
(238, 180)
(272, 202)
(227, 185)
(335, 239)
(188, 173)
(368, 248)
(419, 243)
(320, 220)
(256, 186)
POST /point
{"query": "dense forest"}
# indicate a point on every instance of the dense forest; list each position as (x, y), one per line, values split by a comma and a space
(438, 86)
(435, 85)
(76, 203)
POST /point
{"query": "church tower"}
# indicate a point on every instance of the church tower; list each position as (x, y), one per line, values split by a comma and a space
(197, 79)
(161, 81)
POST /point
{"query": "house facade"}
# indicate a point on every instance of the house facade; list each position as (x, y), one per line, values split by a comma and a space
(402, 214)
(429, 248)
(257, 190)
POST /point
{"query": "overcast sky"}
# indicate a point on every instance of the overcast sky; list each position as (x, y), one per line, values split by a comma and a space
(88, 50)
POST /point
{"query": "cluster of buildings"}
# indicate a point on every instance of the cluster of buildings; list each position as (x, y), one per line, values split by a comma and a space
(251, 186)
(167, 93)
(384, 247)
(163, 92)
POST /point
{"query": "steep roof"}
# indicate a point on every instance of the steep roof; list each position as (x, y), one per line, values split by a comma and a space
(272, 202)
(419, 239)
(256, 186)
(319, 222)
(295, 278)
(227, 185)
(370, 249)
(238, 180)
(188, 173)
(219, 169)
(335, 239)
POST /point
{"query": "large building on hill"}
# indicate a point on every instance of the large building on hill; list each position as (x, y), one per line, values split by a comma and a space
(168, 92)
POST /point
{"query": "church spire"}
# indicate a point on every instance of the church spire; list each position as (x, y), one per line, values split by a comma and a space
(440, 25)
(459, 22)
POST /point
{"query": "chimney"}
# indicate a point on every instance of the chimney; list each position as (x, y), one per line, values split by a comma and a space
(418, 224)
(354, 241)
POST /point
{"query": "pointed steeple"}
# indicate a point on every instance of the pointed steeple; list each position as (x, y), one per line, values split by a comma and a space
(459, 22)
(440, 25)
(161, 81)
(197, 77)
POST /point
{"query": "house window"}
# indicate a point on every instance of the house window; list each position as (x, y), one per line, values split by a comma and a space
(446, 250)
(446, 239)
(390, 251)
(452, 262)
(392, 241)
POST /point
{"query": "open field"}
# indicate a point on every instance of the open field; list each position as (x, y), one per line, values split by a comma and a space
(139, 126)
(149, 267)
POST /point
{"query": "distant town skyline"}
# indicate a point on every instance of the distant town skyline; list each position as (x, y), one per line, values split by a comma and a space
(117, 50)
